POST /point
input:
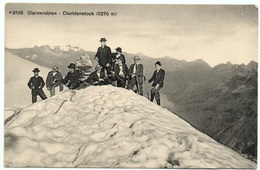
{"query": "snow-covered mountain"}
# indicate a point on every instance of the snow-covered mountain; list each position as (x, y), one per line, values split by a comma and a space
(48, 56)
(65, 48)
(219, 101)
(17, 74)
(105, 126)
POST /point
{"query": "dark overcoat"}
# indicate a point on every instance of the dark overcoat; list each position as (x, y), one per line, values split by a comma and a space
(157, 78)
(72, 77)
(121, 57)
(104, 56)
(36, 82)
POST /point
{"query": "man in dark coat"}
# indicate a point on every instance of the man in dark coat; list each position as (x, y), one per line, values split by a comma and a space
(121, 72)
(104, 56)
(136, 72)
(118, 55)
(72, 78)
(157, 79)
(53, 80)
(98, 77)
(36, 83)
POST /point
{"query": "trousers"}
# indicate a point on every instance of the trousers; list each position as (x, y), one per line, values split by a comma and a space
(52, 88)
(155, 93)
(121, 81)
(36, 92)
(132, 83)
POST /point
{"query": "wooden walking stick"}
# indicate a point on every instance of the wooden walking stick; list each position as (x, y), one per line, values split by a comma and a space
(145, 85)
(137, 85)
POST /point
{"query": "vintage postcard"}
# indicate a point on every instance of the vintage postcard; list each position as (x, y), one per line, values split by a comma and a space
(130, 85)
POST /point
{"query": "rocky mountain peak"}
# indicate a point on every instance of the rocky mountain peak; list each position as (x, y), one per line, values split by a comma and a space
(252, 65)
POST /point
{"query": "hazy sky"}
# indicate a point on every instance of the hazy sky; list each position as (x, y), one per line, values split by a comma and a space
(214, 33)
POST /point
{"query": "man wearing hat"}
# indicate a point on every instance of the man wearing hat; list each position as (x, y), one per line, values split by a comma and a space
(36, 83)
(72, 78)
(98, 77)
(53, 80)
(104, 56)
(118, 55)
(157, 79)
(121, 72)
(136, 72)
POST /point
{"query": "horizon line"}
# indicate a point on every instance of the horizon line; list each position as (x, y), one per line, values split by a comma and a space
(139, 53)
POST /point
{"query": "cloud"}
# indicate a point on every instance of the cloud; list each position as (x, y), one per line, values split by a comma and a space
(215, 33)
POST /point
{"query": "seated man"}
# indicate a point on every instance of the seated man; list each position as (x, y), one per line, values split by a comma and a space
(72, 78)
(98, 77)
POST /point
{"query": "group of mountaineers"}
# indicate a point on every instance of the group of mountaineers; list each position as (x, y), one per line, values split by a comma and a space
(111, 69)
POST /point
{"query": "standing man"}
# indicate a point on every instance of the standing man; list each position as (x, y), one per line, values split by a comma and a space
(136, 72)
(72, 78)
(36, 84)
(104, 56)
(53, 80)
(118, 55)
(121, 72)
(157, 79)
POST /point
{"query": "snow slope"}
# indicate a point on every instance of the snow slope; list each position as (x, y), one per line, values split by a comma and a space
(17, 74)
(109, 127)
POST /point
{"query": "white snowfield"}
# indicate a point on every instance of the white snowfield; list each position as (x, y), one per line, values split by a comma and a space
(18, 72)
(107, 126)
(66, 48)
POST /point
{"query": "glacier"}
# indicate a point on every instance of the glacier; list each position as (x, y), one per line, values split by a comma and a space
(109, 127)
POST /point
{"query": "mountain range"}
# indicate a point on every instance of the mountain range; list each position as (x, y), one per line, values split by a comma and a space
(220, 101)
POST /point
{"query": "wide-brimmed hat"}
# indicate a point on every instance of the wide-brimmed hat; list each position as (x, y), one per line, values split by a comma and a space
(98, 67)
(103, 40)
(36, 70)
(119, 49)
(158, 63)
(136, 57)
(72, 65)
(55, 68)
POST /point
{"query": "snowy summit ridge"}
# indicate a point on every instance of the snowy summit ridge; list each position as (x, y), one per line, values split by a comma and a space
(109, 127)
(65, 48)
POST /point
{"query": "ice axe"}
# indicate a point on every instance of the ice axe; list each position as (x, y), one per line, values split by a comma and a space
(117, 76)
(137, 84)
(120, 79)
